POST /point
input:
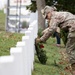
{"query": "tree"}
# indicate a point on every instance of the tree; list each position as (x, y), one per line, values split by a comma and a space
(40, 6)
(67, 5)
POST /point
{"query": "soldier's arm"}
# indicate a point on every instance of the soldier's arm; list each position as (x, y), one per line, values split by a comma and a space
(53, 26)
(44, 31)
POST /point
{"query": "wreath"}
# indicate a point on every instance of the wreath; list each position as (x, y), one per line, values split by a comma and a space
(41, 53)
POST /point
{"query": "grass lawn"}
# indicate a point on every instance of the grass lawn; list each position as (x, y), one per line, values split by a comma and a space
(56, 62)
(2, 21)
(7, 39)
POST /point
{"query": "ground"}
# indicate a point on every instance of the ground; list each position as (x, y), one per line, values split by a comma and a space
(8, 40)
(56, 62)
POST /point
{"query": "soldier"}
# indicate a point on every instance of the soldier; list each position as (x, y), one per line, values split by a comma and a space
(66, 22)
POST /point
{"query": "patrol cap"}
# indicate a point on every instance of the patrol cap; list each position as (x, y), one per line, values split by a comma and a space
(47, 9)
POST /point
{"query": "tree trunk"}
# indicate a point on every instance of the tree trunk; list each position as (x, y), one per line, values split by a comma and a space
(41, 20)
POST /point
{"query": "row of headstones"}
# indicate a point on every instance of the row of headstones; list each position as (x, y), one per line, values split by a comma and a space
(21, 58)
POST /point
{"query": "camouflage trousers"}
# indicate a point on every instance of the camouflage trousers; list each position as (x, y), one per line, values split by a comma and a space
(70, 49)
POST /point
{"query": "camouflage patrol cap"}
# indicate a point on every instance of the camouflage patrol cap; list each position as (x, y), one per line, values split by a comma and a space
(47, 9)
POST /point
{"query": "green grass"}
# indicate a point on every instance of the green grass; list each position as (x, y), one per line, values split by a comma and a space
(7, 39)
(55, 64)
(2, 21)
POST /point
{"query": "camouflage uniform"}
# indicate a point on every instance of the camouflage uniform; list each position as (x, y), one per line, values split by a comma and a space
(66, 22)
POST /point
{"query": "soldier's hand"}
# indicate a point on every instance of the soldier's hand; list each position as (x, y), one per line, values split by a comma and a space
(37, 40)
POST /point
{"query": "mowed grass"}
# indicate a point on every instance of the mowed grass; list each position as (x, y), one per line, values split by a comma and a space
(56, 64)
(2, 21)
(7, 39)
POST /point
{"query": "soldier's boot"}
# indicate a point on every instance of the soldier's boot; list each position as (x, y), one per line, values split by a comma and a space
(73, 69)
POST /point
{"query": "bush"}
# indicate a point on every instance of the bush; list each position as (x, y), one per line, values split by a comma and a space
(40, 32)
(25, 24)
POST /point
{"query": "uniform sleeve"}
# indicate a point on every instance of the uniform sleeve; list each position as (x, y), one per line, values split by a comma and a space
(52, 28)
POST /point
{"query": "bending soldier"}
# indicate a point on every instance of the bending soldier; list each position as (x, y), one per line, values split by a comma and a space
(66, 22)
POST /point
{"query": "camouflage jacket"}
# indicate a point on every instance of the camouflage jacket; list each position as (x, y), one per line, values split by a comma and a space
(64, 20)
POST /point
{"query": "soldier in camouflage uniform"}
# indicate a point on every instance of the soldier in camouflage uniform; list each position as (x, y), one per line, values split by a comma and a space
(66, 22)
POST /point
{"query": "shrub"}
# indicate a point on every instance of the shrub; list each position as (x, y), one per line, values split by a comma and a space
(25, 24)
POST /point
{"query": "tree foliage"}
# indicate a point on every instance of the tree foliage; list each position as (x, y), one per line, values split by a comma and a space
(66, 5)
(32, 7)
